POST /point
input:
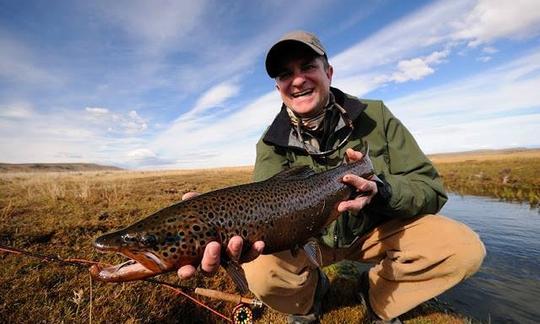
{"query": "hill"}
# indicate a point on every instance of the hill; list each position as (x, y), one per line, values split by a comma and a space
(54, 167)
(485, 155)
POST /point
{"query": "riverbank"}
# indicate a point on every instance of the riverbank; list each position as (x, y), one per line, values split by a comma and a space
(510, 175)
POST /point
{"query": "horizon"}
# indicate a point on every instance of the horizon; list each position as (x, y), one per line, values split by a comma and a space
(176, 85)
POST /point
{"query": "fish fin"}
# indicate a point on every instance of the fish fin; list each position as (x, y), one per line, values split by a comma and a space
(238, 276)
(293, 173)
(313, 252)
(294, 251)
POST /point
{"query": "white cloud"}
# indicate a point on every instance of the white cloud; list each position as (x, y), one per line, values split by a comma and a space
(97, 112)
(213, 98)
(492, 19)
(225, 141)
(495, 133)
(414, 69)
(405, 37)
(489, 50)
(17, 110)
(484, 59)
(477, 111)
(120, 124)
(141, 154)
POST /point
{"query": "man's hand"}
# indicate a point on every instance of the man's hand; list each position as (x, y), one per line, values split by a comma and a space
(367, 189)
(212, 252)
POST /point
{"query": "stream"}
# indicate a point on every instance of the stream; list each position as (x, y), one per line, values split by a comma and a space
(506, 289)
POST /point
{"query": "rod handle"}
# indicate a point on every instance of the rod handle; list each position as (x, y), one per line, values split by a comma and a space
(223, 296)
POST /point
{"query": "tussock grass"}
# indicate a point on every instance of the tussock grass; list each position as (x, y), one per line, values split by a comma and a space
(513, 176)
(61, 213)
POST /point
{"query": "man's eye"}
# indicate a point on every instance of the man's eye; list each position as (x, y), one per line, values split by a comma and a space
(283, 76)
(308, 67)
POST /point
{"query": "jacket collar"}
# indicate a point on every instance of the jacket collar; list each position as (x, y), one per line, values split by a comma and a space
(280, 129)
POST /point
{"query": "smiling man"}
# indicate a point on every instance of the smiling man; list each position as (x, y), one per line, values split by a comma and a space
(390, 223)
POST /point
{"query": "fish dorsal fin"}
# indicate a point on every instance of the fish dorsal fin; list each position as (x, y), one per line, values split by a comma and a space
(313, 252)
(300, 172)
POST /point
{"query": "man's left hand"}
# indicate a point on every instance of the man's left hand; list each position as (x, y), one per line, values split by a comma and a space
(366, 189)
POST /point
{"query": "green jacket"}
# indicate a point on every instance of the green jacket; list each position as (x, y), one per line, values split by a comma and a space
(412, 185)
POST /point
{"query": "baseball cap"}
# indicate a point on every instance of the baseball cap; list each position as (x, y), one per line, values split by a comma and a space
(294, 38)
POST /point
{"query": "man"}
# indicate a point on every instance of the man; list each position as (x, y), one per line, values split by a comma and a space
(390, 222)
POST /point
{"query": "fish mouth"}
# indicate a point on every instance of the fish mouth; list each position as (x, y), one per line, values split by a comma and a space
(142, 265)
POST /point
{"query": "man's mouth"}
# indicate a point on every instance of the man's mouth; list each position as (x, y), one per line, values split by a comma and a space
(302, 93)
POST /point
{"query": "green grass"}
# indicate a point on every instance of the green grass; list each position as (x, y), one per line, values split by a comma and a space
(511, 179)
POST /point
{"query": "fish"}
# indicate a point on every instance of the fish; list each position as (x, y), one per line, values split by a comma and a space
(286, 211)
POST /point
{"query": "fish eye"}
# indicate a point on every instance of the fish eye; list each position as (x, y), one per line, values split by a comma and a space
(148, 240)
(129, 238)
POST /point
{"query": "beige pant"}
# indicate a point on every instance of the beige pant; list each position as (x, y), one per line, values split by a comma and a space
(415, 260)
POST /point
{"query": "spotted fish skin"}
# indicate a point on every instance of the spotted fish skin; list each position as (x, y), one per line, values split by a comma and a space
(284, 211)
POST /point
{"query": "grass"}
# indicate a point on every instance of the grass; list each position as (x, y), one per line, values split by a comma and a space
(61, 213)
(510, 176)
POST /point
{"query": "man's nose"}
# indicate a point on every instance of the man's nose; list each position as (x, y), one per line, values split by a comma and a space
(298, 78)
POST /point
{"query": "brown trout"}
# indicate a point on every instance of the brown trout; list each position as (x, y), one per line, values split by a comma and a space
(285, 212)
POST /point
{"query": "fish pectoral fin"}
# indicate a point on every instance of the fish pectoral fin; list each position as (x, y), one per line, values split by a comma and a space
(237, 274)
(294, 250)
(313, 252)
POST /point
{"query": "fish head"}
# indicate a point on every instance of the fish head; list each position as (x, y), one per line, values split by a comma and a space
(151, 252)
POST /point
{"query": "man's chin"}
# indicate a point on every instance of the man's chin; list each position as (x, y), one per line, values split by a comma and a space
(305, 109)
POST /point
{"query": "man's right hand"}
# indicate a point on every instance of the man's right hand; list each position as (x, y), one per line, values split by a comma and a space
(212, 253)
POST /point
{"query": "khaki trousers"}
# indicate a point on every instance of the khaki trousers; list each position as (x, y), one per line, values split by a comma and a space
(414, 260)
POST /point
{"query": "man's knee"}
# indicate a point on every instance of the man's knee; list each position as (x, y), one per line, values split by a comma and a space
(467, 249)
(470, 253)
(284, 285)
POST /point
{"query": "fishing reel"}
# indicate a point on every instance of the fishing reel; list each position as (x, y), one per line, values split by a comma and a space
(242, 314)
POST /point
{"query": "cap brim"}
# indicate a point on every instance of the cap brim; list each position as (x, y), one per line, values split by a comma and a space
(280, 49)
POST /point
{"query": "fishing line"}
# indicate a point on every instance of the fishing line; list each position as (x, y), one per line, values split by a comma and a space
(82, 263)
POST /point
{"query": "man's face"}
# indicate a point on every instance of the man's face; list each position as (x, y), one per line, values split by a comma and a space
(304, 85)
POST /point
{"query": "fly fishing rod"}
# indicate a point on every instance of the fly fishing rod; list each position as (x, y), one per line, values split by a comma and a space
(241, 314)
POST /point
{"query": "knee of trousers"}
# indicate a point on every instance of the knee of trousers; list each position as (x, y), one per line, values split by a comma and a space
(285, 286)
(466, 249)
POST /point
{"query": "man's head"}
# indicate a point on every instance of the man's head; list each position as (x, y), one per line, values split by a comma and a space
(299, 64)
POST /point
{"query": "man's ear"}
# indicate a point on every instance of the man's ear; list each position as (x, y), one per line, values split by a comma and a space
(330, 72)
(277, 87)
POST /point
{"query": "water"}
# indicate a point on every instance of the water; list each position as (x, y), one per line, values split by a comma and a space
(506, 289)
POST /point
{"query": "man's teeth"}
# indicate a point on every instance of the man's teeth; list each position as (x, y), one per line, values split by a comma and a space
(303, 93)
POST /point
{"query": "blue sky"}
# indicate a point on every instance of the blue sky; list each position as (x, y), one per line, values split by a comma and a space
(181, 84)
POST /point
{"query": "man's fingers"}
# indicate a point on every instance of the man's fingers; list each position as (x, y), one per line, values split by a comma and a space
(186, 272)
(211, 257)
(189, 195)
(353, 155)
(354, 205)
(359, 183)
(234, 248)
(256, 249)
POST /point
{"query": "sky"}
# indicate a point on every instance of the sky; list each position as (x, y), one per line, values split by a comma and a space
(181, 84)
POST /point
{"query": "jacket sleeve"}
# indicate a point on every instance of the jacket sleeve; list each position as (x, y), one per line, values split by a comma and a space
(414, 185)
(268, 162)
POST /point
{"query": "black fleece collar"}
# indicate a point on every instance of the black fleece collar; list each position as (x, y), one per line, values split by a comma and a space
(278, 132)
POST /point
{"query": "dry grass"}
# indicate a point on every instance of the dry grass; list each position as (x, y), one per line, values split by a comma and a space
(507, 175)
(61, 213)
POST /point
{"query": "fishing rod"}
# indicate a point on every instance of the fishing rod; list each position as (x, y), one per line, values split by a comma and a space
(241, 314)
